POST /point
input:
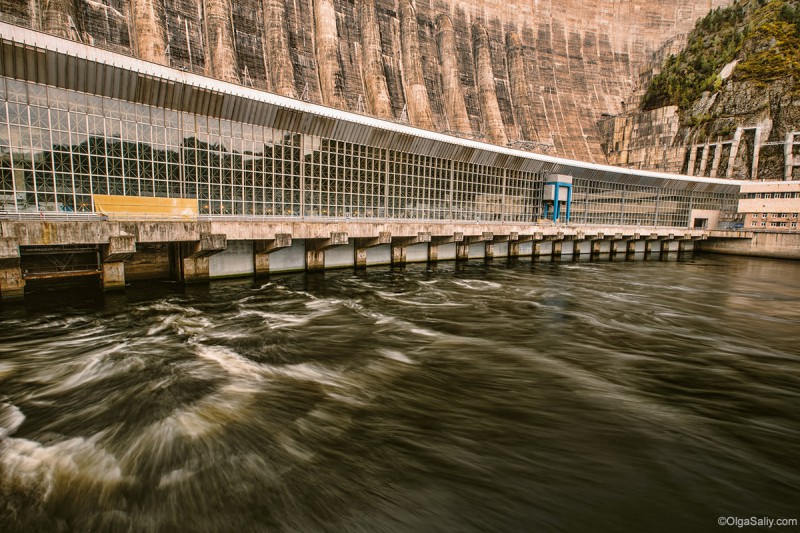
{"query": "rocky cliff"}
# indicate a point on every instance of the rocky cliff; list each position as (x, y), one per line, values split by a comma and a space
(534, 74)
(725, 105)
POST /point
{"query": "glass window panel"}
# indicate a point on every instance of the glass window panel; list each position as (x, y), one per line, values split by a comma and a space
(17, 91)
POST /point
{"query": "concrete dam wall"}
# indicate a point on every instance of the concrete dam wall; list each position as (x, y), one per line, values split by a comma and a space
(535, 75)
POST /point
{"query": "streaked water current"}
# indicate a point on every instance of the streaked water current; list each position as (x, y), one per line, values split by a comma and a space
(601, 396)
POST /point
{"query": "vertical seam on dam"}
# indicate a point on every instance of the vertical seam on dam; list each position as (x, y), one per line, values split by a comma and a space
(519, 86)
(328, 53)
(148, 31)
(377, 90)
(455, 108)
(419, 106)
(281, 70)
(221, 48)
(487, 90)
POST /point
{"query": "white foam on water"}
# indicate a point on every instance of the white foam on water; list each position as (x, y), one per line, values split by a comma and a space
(230, 403)
(174, 477)
(71, 465)
(309, 372)
(477, 284)
(231, 362)
(343, 398)
(294, 449)
(11, 418)
(7, 368)
(396, 356)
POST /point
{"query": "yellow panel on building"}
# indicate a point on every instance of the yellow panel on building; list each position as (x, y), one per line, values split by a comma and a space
(141, 207)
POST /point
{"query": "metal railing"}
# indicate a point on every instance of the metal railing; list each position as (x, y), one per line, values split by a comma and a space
(50, 216)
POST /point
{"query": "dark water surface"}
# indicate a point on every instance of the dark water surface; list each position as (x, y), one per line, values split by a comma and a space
(641, 396)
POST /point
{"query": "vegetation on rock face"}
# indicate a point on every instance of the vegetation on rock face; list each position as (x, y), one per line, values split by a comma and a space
(772, 51)
(763, 35)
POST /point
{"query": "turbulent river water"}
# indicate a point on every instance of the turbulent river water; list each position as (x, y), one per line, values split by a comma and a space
(592, 396)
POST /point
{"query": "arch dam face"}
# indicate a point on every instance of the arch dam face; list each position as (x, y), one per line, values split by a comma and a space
(120, 169)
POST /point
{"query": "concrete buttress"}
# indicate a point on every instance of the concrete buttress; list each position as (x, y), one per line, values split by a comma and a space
(487, 90)
(419, 106)
(327, 40)
(221, 50)
(149, 33)
(377, 90)
(453, 93)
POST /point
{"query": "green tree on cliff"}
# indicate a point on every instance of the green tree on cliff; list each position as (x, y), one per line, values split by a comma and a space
(764, 36)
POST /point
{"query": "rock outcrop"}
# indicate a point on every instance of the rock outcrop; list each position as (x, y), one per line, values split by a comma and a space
(726, 105)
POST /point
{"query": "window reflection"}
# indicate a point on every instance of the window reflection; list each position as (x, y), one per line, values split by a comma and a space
(58, 148)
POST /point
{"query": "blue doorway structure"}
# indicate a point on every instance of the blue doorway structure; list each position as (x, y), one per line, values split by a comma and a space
(552, 197)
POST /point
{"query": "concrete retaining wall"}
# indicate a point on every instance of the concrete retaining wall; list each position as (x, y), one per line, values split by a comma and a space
(762, 244)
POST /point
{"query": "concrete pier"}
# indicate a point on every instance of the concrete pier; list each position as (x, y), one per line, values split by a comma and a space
(263, 248)
(363, 244)
(196, 252)
(114, 255)
(316, 248)
(400, 246)
(12, 283)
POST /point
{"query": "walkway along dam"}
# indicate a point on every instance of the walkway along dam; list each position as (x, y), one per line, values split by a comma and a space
(118, 168)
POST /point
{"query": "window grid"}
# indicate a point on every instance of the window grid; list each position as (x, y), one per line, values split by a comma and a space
(58, 148)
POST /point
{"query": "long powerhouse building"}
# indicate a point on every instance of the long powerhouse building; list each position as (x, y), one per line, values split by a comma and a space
(78, 124)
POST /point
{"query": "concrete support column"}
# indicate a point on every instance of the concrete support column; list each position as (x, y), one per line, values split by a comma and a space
(788, 156)
(717, 159)
(12, 283)
(496, 239)
(315, 260)
(462, 251)
(648, 244)
(263, 248)
(113, 276)
(433, 252)
(630, 247)
(260, 262)
(361, 245)
(682, 244)
(399, 245)
(692, 160)
(192, 257)
(462, 248)
(737, 140)
(576, 249)
(436, 241)
(596, 245)
(756, 154)
(194, 269)
(359, 257)
(114, 255)
(513, 249)
(315, 250)
(577, 239)
(665, 245)
(538, 239)
(704, 160)
(555, 253)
